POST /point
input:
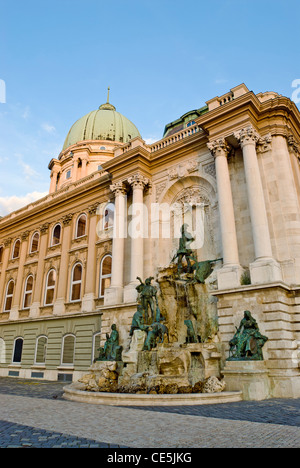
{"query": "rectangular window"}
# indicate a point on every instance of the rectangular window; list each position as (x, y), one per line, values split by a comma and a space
(68, 175)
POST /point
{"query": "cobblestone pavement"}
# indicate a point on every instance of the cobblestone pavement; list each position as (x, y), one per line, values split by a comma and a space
(34, 414)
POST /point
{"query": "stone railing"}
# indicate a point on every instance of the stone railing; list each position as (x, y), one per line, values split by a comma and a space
(66, 188)
(182, 134)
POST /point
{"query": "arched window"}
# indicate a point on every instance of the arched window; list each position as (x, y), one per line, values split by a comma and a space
(18, 348)
(81, 226)
(16, 249)
(41, 350)
(34, 247)
(68, 349)
(50, 287)
(2, 351)
(56, 234)
(76, 279)
(9, 295)
(105, 274)
(28, 292)
(108, 218)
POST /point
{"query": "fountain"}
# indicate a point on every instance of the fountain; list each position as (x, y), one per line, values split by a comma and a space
(174, 352)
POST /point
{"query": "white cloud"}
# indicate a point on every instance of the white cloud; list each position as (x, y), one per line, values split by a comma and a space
(151, 140)
(48, 128)
(13, 203)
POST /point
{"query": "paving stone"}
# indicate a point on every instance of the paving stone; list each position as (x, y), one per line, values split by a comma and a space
(32, 418)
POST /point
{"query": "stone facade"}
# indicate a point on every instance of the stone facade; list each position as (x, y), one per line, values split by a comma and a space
(238, 161)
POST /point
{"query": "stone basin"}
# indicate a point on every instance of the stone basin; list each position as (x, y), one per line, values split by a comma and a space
(76, 392)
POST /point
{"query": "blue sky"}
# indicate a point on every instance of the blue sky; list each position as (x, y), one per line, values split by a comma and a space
(160, 59)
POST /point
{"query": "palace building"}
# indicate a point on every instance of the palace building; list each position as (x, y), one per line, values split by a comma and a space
(69, 262)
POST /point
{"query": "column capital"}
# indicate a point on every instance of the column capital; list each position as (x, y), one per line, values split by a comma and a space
(118, 188)
(92, 209)
(293, 145)
(138, 181)
(67, 219)
(219, 147)
(247, 136)
(25, 235)
(44, 228)
(7, 242)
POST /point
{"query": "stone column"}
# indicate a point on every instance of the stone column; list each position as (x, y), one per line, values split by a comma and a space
(5, 259)
(90, 279)
(114, 294)
(38, 293)
(84, 162)
(136, 232)
(229, 275)
(62, 281)
(264, 269)
(17, 299)
(54, 178)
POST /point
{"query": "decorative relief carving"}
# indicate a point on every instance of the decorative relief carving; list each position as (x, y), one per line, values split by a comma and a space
(159, 188)
(210, 169)
(183, 169)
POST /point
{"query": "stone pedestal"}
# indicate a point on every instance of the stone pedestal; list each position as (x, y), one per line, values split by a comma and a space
(229, 276)
(251, 377)
(265, 271)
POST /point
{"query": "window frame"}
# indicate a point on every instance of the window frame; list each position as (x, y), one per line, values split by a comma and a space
(29, 292)
(13, 257)
(50, 287)
(76, 282)
(109, 226)
(76, 228)
(101, 276)
(36, 233)
(67, 364)
(8, 295)
(52, 235)
(45, 352)
(14, 350)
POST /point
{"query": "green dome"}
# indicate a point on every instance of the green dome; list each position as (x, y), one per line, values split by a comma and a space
(102, 124)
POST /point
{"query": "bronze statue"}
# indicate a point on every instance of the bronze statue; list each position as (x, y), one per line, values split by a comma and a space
(247, 342)
(184, 250)
(138, 321)
(111, 350)
(191, 334)
(157, 332)
(148, 298)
